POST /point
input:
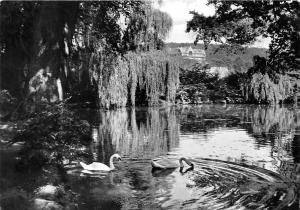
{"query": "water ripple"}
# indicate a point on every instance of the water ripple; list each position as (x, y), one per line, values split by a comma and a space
(215, 184)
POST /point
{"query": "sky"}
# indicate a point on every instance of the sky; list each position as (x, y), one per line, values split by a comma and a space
(179, 12)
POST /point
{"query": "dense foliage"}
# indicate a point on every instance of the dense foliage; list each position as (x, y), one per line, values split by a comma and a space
(51, 135)
(261, 87)
(146, 31)
(34, 36)
(64, 48)
(237, 23)
(80, 51)
(241, 22)
(199, 85)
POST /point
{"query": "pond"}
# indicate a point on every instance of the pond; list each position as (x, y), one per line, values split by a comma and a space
(245, 157)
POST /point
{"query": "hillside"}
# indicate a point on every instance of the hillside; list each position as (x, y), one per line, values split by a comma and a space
(236, 59)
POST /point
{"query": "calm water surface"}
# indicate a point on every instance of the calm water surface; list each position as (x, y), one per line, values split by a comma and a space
(246, 157)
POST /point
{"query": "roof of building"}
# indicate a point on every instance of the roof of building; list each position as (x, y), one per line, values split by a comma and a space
(195, 52)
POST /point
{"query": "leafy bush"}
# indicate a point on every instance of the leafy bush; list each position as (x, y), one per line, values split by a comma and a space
(199, 85)
(7, 103)
(196, 82)
(52, 135)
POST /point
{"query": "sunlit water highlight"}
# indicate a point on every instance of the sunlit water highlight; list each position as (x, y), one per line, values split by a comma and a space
(245, 157)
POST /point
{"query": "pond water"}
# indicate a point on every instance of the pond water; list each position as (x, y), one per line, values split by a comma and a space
(245, 157)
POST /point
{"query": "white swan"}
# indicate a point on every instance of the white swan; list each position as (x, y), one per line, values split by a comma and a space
(96, 166)
(164, 163)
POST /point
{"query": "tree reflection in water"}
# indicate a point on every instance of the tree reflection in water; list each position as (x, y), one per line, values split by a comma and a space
(241, 139)
(135, 137)
(141, 134)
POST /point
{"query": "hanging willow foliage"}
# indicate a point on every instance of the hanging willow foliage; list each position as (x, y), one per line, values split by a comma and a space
(261, 89)
(155, 73)
(147, 30)
(112, 83)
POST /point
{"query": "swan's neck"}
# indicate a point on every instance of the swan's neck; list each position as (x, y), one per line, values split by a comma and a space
(83, 165)
(185, 160)
(111, 163)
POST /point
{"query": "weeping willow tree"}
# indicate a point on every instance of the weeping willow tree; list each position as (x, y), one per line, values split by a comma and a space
(142, 78)
(155, 73)
(261, 87)
(56, 49)
(102, 63)
(98, 44)
(147, 30)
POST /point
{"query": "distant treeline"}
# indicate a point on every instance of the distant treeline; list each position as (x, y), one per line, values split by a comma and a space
(238, 59)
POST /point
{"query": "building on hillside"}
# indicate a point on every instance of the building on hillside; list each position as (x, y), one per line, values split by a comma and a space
(190, 53)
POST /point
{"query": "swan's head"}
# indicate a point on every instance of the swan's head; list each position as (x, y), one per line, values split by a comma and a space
(185, 160)
(117, 156)
(187, 170)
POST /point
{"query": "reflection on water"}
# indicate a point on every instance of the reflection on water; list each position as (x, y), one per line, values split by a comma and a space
(246, 157)
(136, 134)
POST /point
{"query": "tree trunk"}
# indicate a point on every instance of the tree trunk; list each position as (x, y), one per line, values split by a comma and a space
(59, 89)
(47, 35)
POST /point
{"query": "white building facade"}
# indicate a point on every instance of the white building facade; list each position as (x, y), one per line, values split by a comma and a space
(190, 53)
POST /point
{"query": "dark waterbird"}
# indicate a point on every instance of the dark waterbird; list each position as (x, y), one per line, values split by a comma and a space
(165, 163)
